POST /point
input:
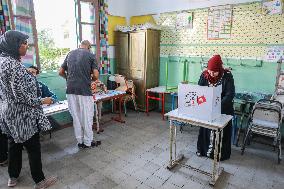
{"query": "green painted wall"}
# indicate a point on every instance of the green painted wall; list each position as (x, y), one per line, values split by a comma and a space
(112, 66)
(249, 75)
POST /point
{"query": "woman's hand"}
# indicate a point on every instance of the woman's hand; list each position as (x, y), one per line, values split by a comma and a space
(47, 100)
(93, 86)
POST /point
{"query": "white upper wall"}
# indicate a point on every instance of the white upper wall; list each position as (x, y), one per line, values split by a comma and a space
(119, 7)
(130, 8)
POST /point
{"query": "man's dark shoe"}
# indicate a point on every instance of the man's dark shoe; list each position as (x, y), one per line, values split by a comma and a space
(81, 145)
(93, 144)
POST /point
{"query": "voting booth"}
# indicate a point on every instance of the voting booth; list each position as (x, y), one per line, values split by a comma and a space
(201, 102)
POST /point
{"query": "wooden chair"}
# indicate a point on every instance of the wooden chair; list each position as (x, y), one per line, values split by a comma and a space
(128, 87)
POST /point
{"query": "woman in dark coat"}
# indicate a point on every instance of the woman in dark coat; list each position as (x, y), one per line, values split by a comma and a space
(21, 114)
(215, 75)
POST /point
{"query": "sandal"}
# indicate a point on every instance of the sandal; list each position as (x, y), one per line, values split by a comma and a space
(198, 154)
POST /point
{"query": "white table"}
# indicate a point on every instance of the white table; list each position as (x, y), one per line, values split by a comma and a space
(110, 95)
(217, 125)
(58, 107)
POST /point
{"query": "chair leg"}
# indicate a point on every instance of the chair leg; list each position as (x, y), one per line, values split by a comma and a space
(234, 129)
(239, 130)
(245, 141)
(124, 104)
(134, 103)
(279, 149)
(111, 105)
(181, 127)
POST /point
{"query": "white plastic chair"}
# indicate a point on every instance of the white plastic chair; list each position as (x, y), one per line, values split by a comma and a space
(265, 119)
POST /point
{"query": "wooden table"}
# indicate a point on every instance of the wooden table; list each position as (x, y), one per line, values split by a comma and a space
(110, 95)
(161, 90)
(217, 125)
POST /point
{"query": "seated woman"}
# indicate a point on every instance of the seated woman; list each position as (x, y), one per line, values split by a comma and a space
(215, 75)
(98, 87)
(45, 93)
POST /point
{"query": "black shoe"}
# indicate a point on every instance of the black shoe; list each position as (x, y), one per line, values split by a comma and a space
(93, 144)
(100, 131)
(81, 145)
(4, 163)
(96, 143)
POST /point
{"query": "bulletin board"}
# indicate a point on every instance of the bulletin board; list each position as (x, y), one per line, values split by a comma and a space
(251, 34)
(219, 22)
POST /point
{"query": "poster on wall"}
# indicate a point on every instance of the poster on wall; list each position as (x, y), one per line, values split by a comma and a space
(219, 22)
(272, 7)
(184, 20)
(273, 54)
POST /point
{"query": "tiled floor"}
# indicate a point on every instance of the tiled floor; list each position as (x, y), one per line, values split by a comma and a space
(135, 154)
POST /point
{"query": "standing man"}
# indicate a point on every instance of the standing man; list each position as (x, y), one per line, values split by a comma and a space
(77, 68)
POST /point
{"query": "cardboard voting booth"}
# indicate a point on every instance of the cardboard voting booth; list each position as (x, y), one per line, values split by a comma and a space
(199, 102)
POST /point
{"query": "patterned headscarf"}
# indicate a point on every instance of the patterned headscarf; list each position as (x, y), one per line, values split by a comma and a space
(10, 43)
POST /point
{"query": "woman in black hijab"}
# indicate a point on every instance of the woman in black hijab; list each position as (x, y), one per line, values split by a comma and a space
(21, 114)
(216, 75)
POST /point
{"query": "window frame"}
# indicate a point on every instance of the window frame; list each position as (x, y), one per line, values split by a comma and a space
(95, 24)
(34, 30)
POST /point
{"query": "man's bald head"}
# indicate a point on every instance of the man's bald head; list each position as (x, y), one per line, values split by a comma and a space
(86, 44)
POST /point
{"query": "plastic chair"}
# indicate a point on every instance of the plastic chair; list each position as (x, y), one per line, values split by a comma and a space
(265, 119)
(243, 104)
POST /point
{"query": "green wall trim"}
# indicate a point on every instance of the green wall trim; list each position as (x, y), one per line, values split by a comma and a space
(221, 44)
(249, 75)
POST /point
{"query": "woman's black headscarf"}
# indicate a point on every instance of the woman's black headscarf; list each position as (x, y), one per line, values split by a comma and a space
(10, 43)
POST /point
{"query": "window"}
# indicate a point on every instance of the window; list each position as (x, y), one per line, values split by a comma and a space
(23, 19)
(88, 23)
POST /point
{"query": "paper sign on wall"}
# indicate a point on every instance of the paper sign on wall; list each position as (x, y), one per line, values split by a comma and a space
(273, 54)
(272, 7)
(219, 23)
(184, 20)
(199, 102)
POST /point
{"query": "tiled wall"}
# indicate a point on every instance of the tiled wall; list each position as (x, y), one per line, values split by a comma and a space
(252, 33)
